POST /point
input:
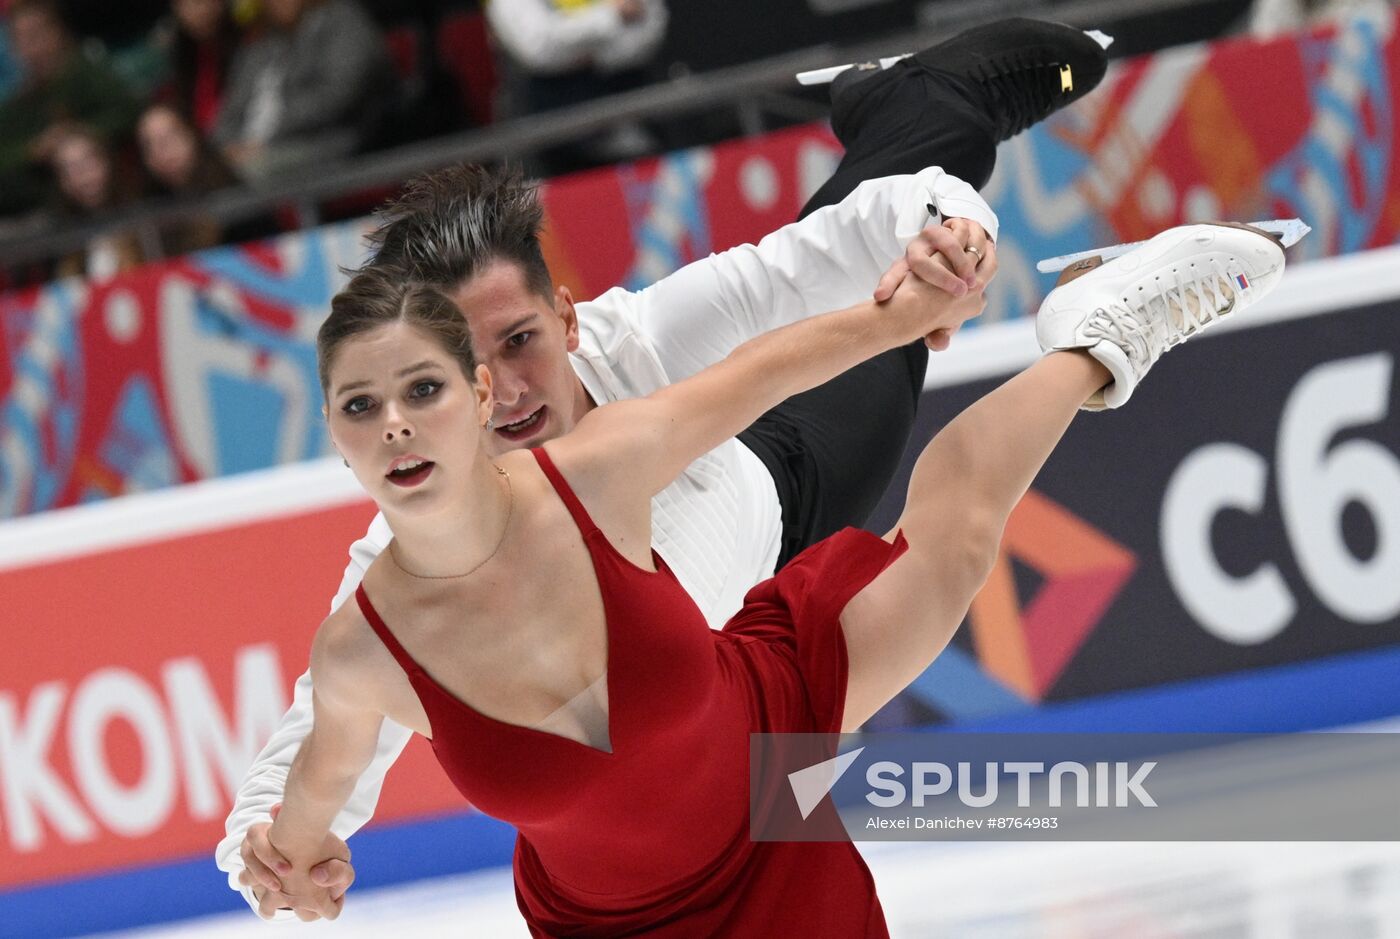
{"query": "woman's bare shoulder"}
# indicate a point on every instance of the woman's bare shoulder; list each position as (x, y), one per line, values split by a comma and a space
(346, 653)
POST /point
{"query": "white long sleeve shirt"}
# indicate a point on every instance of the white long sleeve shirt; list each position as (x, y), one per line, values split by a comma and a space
(718, 525)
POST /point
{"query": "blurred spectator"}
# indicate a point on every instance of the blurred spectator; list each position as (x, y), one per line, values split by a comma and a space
(561, 53)
(180, 163)
(313, 85)
(570, 51)
(178, 160)
(92, 181)
(59, 84)
(201, 49)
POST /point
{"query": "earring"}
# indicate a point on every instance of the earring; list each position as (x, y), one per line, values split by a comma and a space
(490, 423)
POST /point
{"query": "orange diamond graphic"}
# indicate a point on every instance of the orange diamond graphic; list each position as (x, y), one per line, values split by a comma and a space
(1027, 648)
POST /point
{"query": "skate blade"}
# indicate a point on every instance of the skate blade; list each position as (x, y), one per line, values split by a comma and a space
(1099, 36)
(825, 76)
(1289, 230)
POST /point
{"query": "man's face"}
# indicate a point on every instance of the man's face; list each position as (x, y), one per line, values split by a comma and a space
(39, 43)
(525, 340)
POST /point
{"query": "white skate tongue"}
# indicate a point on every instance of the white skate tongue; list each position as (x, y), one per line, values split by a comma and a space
(825, 76)
(1124, 383)
(1099, 36)
(1289, 230)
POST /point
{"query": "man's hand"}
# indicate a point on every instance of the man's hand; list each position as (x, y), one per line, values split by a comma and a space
(957, 256)
(263, 863)
(938, 313)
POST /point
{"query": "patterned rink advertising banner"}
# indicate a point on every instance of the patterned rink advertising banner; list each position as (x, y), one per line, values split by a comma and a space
(203, 366)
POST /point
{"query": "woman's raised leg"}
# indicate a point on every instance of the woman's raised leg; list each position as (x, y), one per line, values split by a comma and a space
(964, 486)
(1104, 327)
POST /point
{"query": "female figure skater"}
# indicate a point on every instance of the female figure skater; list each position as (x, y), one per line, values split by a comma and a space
(566, 681)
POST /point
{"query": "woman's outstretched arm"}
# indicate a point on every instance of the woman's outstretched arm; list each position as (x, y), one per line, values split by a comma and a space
(633, 449)
(342, 743)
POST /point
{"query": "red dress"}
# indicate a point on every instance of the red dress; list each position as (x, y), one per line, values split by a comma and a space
(652, 838)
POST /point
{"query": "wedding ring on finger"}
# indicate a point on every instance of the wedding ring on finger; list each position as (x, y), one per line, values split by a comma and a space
(972, 249)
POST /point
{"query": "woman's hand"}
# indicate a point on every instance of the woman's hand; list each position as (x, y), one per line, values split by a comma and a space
(262, 862)
(293, 865)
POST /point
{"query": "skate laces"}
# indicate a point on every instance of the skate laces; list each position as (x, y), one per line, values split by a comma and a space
(1020, 81)
(1159, 319)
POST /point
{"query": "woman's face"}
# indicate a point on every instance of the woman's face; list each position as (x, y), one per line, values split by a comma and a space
(84, 173)
(200, 18)
(405, 418)
(167, 147)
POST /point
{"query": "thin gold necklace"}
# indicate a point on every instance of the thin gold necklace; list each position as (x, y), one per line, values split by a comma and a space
(510, 510)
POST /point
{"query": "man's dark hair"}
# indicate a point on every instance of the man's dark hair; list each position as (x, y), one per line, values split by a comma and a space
(450, 224)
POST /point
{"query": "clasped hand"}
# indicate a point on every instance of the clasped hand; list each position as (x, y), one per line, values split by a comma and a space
(315, 890)
(956, 259)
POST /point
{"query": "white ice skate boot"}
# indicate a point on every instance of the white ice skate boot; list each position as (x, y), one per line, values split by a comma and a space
(1130, 310)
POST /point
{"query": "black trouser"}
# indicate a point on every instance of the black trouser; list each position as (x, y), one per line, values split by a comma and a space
(833, 450)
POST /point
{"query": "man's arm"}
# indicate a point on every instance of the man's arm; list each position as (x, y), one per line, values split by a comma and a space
(263, 785)
(828, 260)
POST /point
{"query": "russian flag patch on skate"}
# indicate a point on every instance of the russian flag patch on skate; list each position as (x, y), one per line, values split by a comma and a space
(1242, 281)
